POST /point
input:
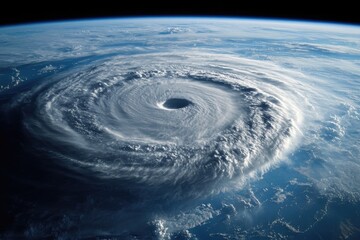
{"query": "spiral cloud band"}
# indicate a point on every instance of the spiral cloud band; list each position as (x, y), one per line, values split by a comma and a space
(170, 119)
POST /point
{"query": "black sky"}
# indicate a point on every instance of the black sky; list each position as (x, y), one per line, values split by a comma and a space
(17, 12)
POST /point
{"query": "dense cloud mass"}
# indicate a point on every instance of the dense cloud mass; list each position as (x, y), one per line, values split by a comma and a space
(111, 118)
(154, 122)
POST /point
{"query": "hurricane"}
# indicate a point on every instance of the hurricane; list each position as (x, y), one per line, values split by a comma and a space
(183, 121)
(158, 134)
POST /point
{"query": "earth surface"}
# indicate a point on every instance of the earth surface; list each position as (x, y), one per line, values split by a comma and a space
(180, 128)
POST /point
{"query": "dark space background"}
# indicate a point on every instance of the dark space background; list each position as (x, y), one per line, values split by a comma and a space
(17, 12)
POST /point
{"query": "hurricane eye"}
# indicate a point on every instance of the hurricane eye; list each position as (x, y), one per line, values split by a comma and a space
(176, 103)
